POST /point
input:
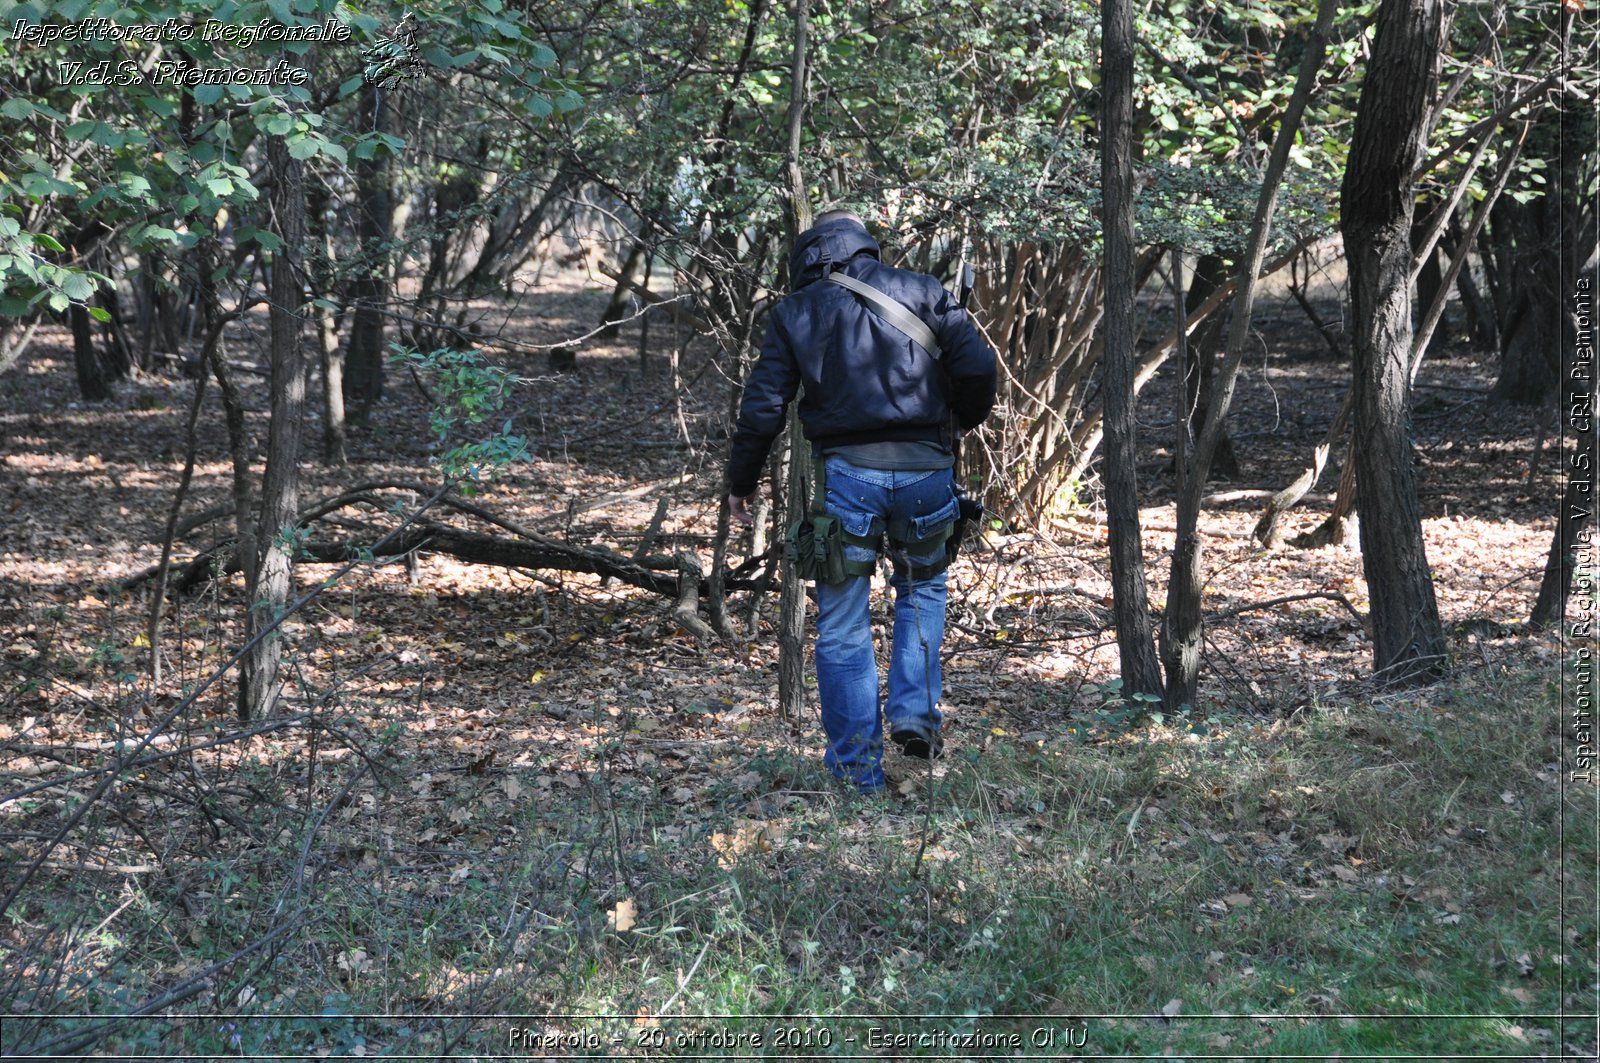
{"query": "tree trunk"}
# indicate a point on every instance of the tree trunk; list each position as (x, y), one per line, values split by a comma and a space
(1575, 515)
(1539, 247)
(333, 420)
(1430, 277)
(1376, 201)
(1181, 631)
(15, 335)
(1479, 323)
(98, 370)
(792, 594)
(363, 366)
(330, 355)
(1576, 518)
(1529, 343)
(267, 573)
(1141, 673)
(622, 295)
(1200, 360)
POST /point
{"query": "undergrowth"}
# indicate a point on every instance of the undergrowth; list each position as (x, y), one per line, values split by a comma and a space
(1389, 875)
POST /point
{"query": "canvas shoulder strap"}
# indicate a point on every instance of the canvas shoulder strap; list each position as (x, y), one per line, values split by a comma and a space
(891, 311)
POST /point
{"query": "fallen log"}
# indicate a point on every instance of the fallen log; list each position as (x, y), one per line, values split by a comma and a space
(474, 548)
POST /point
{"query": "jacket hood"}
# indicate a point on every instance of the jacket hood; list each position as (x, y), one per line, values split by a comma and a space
(823, 246)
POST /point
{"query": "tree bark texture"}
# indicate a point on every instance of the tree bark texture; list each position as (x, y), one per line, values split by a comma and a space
(1141, 673)
(267, 573)
(1376, 200)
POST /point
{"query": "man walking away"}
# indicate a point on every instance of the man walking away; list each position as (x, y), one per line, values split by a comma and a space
(893, 371)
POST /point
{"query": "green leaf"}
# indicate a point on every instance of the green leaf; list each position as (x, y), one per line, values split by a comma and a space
(206, 95)
(17, 108)
(100, 314)
(77, 286)
(302, 148)
(47, 241)
(59, 302)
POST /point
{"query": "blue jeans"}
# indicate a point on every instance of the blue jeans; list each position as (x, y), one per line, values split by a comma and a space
(847, 671)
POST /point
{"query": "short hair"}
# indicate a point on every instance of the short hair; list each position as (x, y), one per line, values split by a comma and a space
(839, 215)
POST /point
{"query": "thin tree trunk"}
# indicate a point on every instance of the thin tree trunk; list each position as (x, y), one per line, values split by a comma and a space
(717, 593)
(97, 373)
(267, 573)
(1335, 530)
(14, 340)
(362, 372)
(214, 360)
(792, 597)
(1376, 202)
(333, 421)
(330, 355)
(1181, 629)
(1141, 672)
(1201, 360)
(622, 294)
(1576, 514)
(158, 596)
(1578, 394)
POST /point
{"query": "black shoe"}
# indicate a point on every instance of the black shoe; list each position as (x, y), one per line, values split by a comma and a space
(916, 744)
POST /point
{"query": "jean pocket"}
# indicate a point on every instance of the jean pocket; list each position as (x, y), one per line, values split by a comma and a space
(931, 525)
(864, 526)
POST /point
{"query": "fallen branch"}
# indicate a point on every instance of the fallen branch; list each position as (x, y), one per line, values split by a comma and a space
(540, 553)
(1270, 603)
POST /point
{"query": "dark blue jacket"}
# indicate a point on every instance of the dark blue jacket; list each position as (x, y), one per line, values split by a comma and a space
(865, 381)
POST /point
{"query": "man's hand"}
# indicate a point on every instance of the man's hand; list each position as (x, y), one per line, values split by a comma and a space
(739, 509)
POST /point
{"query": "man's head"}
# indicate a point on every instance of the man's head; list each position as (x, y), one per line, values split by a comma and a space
(838, 215)
(835, 237)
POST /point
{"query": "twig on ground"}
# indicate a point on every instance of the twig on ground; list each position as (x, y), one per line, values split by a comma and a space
(1332, 596)
(683, 982)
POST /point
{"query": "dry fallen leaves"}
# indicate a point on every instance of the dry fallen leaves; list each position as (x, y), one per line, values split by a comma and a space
(747, 836)
(353, 962)
(623, 917)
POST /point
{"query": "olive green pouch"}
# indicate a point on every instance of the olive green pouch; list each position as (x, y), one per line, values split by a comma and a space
(815, 546)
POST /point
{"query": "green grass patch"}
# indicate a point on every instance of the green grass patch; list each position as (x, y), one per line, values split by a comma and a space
(1368, 878)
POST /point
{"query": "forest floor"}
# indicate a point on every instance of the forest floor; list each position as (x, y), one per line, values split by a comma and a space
(504, 793)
